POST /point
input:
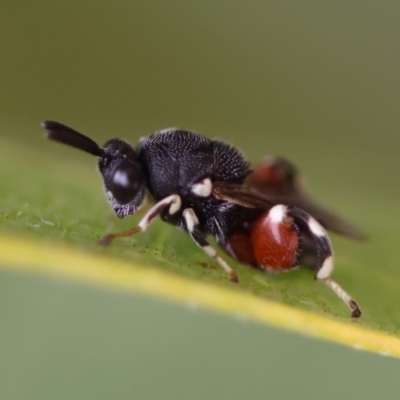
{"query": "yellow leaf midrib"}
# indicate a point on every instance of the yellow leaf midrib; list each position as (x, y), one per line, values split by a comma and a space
(43, 257)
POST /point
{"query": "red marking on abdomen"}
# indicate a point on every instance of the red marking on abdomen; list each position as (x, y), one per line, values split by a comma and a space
(240, 246)
(275, 244)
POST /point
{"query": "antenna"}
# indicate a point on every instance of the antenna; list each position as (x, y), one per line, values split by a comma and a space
(64, 134)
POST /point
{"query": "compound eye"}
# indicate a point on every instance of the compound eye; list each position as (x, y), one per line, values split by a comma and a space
(203, 188)
(126, 182)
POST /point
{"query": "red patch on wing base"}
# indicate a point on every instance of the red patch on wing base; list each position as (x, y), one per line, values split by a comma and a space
(270, 175)
(275, 244)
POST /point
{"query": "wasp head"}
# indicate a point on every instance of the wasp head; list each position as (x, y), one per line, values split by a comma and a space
(118, 163)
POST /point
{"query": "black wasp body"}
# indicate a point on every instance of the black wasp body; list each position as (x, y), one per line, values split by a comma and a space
(206, 187)
(186, 164)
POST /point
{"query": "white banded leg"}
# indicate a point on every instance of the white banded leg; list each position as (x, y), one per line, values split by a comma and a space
(325, 257)
(173, 202)
(191, 223)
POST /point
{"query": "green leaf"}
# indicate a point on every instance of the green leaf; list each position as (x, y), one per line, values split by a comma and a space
(56, 212)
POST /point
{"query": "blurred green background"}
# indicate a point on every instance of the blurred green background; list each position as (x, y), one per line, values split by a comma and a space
(315, 81)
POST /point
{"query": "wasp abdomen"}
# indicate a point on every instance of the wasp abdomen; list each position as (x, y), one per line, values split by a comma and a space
(240, 246)
(275, 240)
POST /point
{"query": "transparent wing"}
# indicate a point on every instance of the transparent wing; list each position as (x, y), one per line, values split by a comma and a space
(277, 181)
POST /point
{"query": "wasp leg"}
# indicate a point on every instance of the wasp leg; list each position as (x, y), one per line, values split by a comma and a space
(173, 202)
(324, 255)
(191, 225)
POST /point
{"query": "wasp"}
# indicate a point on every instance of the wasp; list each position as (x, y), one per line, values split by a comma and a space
(263, 217)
